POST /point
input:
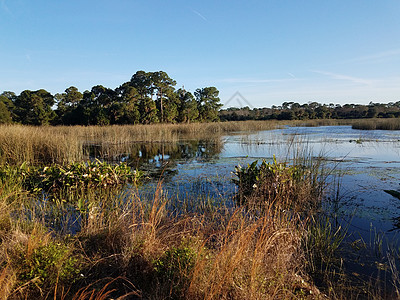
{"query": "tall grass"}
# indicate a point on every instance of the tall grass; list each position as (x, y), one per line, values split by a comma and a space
(116, 242)
(64, 144)
(380, 124)
(216, 252)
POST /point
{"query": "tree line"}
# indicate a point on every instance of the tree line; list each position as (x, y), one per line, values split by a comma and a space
(149, 97)
(313, 110)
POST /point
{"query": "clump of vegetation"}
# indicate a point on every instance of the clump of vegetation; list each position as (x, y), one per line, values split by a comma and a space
(76, 176)
(174, 269)
(34, 263)
(57, 180)
(289, 186)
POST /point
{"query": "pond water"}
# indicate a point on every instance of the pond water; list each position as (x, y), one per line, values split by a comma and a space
(366, 163)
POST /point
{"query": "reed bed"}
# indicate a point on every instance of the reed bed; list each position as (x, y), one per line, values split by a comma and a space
(321, 122)
(115, 242)
(377, 124)
(37, 144)
(64, 144)
(105, 243)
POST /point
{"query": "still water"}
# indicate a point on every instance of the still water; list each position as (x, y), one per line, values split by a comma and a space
(366, 163)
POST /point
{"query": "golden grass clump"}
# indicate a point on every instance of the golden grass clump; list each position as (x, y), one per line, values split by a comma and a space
(20, 144)
(252, 259)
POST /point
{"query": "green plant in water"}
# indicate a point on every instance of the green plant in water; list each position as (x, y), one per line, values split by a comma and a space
(322, 243)
(80, 176)
(266, 181)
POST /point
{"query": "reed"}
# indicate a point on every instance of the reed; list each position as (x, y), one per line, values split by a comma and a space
(377, 124)
(64, 144)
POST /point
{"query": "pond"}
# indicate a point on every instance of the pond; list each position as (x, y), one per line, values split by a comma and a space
(368, 163)
(365, 163)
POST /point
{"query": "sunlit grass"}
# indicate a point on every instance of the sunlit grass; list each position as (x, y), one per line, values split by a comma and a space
(64, 144)
(212, 251)
(110, 242)
(379, 124)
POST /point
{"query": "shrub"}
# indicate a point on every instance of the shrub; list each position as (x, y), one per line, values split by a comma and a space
(174, 268)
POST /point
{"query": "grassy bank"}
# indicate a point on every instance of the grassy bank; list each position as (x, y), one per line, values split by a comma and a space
(63, 237)
(107, 241)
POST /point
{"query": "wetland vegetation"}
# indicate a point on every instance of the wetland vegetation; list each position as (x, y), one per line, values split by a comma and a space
(73, 227)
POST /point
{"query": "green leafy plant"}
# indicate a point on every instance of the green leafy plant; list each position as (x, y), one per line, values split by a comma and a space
(56, 179)
(266, 181)
(47, 264)
(175, 268)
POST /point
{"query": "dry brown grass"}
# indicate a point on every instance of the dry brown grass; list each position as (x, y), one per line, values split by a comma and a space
(64, 144)
(252, 259)
(380, 124)
(236, 255)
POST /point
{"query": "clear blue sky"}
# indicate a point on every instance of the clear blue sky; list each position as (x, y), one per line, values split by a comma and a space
(270, 51)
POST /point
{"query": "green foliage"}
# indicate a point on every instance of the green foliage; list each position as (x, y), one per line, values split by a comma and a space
(264, 182)
(187, 107)
(34, 107)
(322, 245)
(208, 104)
(5, 114)
(175, 268)
(48, 264)
(56, 179)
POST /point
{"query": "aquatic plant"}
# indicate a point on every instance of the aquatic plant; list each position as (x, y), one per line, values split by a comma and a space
(57, 179)
(261, 184)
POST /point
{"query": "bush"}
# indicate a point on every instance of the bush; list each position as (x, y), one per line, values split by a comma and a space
(174, 268)
(261, 184)
(44, 265)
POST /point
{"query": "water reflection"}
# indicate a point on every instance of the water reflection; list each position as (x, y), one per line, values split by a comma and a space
(369, 160)
(199, 172)
(156, 157)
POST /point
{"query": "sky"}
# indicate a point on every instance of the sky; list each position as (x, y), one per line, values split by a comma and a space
(257, 53)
